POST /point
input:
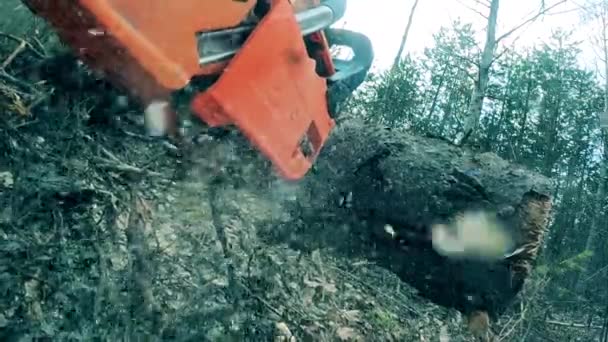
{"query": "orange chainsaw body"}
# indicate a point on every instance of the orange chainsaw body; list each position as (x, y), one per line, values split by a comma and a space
(271, 89)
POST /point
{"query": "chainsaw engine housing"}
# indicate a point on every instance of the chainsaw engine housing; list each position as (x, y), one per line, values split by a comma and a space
(271, 59)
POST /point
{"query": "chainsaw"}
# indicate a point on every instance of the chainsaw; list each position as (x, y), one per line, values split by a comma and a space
(272, 71)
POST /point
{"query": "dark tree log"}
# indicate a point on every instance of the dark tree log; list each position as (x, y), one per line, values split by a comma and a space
(411, 182)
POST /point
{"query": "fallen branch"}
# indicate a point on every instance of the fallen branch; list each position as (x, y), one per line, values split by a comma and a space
(122, 167)
(20, 41)
(38, 100)
(14, 54)
(574, 325)
(18, 82)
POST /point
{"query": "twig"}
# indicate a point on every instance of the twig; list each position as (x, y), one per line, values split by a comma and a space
(596, 273)
(376, 290)
(264, 302)
(23, 124)
(18, 82)
(138, 136)
(509, 327)
(487, 5)
(465, 71)
(6, 90)
(120, 166)
(21, 40)
(467, 59)
(512, 324)
(115, 163)
(276, 311)
(485, 16)
(41, 47)
(14, 54)
(109, 154)
(529, 20)
(574, 325)
(37, 101)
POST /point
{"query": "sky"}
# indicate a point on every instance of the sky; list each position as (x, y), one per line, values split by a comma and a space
(384, 21)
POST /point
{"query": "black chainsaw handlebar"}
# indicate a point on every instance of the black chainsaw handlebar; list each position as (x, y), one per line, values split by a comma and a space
(350, 74)
(338, 7)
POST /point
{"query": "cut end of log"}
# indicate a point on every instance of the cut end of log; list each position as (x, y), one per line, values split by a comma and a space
(465, 227)
(534, 214)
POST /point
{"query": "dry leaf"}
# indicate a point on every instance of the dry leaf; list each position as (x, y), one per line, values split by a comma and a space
(282, 333)
(7, 180)
(312, 330)
(18, 106)
(347, 334)
(32, 288)
(325, 286)
(352, 316)
(308, 296)
(3, 321)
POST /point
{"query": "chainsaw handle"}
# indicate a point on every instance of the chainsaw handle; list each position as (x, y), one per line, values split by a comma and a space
(349, 74)
(338, 7)
(354, 70)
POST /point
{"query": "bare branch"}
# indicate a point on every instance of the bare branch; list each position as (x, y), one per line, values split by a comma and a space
(21, 41)
(506, 49)
(564, 11)
(466, 72)
(575, 325)
(500, 54)
(467, 59)
(542, 11)
(479, 2)
(13, 55)
(473, 9)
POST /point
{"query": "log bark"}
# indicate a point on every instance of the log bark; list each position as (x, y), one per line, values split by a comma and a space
(388, 176)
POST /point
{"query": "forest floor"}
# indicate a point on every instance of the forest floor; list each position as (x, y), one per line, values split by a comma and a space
(105, 233)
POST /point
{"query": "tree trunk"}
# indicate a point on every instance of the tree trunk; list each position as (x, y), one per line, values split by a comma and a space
(599, 209)
(524, 119)
(567, 216)
(405, 34)
(494, 128)
(436, 94)
(483, 75)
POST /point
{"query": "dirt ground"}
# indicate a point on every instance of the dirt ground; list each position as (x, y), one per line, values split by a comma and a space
(107, 234)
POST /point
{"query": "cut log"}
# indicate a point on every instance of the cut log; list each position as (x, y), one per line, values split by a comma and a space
(387, 176)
